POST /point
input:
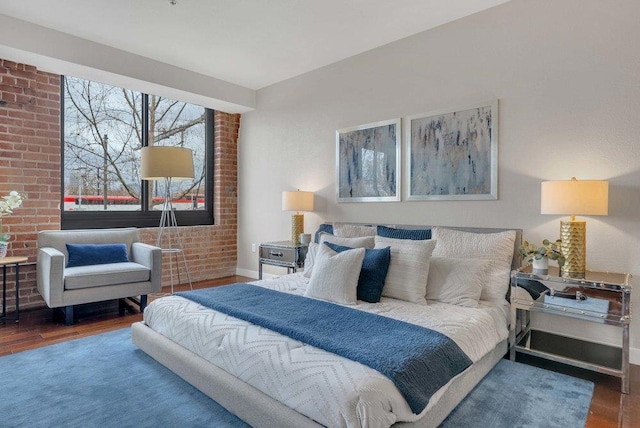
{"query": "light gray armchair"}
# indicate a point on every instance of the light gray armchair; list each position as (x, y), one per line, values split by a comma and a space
(64, 287)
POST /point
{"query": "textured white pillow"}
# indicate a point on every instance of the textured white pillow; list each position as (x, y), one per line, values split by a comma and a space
(346, 230)
(456, 281)
(335, 275)
(361, 242)
(310, 259)
(495, 247)
(408, 269)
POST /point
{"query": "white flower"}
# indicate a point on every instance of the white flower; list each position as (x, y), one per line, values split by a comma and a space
(10, 202)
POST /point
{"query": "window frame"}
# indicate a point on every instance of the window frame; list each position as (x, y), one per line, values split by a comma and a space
(144, 217)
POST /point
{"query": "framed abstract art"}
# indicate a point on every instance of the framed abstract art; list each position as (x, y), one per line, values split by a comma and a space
(453, 154)
(368, 162)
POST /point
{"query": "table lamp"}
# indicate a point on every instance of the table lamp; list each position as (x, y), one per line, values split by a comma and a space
(574, 197)
(297, 201)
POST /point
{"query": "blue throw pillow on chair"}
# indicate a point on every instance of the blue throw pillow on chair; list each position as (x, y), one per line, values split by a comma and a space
(373, 273)
(96, 254)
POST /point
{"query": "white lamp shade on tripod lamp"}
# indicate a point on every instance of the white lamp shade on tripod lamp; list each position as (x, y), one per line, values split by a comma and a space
(161, 162)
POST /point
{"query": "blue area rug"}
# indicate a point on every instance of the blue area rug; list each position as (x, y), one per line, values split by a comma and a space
(101, 381)
(517, 395)
(106, 381)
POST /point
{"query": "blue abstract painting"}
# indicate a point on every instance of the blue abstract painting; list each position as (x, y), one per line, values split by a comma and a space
(453, 155)
(368, 162)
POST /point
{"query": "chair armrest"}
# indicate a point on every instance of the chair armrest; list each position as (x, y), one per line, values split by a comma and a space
(50, 276)
(151, 257)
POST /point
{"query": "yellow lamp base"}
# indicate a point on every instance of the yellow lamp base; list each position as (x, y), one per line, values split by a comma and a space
(297, 227)
(574, 248)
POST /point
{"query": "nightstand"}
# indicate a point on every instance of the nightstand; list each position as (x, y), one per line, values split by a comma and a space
(601, 297)
(282, 253)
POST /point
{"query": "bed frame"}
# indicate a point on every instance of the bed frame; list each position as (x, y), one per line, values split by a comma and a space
(260, 410)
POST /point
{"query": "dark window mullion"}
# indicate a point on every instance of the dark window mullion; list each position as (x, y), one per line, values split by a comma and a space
(144, 185)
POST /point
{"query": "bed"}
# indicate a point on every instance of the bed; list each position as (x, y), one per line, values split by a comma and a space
(271, 379)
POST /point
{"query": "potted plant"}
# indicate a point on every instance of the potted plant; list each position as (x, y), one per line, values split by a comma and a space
(539, 255)
(7, 205)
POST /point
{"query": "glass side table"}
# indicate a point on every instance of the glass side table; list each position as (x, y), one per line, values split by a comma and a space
(601, 297)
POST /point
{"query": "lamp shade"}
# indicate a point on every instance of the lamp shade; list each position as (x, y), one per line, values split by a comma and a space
(160, 162)
(575, 197)
(297, 201)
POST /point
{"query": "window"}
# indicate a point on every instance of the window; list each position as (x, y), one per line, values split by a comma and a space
(104, 128)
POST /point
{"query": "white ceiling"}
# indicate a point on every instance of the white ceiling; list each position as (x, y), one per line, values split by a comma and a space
(251, 43)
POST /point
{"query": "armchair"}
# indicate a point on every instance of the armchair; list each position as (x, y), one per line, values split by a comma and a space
(63, 287)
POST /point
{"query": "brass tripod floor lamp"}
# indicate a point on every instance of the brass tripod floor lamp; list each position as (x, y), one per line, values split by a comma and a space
(168, 163)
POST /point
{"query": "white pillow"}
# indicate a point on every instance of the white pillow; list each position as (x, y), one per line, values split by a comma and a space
(456, 281)
(310, 259)
(335, 275)
(497, 248)
(361, 242)
(346, 230)
(408, 269)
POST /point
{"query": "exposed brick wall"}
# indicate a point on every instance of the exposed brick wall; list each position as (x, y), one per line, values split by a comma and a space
(30, 163)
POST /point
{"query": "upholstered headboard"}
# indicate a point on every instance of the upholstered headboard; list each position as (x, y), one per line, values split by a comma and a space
(515, 264)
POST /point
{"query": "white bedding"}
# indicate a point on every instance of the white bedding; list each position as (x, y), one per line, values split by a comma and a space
(329, 389)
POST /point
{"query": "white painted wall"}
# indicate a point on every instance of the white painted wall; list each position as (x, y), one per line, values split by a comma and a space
(567, 77)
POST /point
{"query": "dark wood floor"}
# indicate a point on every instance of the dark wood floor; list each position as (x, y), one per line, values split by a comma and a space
(609, 407)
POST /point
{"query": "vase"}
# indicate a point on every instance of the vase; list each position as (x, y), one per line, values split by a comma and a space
(4, 246)
(541, 266)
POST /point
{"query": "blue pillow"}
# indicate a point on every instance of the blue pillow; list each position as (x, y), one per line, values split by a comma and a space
(374, 271)
(324, 227)
(413, 234)
(96, 254)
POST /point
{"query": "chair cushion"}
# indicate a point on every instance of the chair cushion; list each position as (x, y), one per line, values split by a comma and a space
(106, 274)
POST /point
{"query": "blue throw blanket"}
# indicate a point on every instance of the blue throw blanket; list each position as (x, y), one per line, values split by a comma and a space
(419, 361)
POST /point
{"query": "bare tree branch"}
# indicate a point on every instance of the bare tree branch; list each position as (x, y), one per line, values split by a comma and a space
(95, 111)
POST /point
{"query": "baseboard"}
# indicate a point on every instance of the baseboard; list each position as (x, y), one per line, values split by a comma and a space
(254, 274)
